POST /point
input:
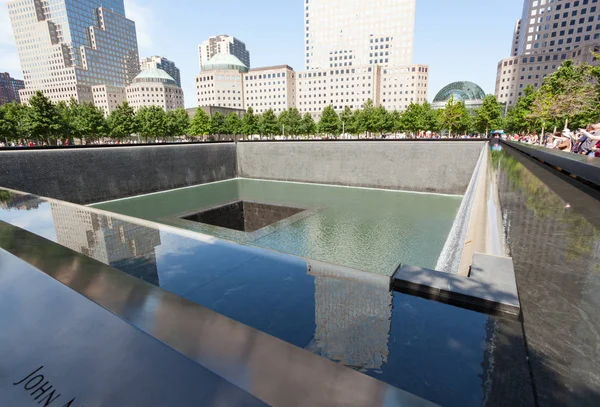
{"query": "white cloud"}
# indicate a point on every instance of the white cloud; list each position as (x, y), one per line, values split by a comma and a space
(9, 60)
(143, 16)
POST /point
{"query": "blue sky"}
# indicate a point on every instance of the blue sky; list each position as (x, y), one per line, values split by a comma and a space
(458, 39)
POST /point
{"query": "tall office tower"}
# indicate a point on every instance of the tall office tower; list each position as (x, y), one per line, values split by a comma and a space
(163, 63)
(68, 46)
(342, 33)
(549, 32)
(223, 44)
(9, 88)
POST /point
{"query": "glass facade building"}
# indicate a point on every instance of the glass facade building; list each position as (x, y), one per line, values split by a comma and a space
(67, 46)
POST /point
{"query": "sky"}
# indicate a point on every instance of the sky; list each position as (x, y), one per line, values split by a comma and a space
(458, 39)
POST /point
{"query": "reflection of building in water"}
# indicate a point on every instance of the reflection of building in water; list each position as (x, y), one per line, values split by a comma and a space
(123, 245)
(18, 201)
(353, 314)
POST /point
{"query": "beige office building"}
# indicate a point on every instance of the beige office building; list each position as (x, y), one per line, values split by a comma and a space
(154, 87)
(65, 48)
(108, 97)
(223, 44)
(352, 33)
(547, 34)
(272, 87)
(220, 82)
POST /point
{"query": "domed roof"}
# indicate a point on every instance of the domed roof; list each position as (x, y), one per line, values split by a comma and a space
(224, 62)
(461, 91)
(154, 75)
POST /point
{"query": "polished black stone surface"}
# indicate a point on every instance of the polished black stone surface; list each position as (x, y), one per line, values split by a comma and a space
(245, 216)
(444, 354)
(584, 167)
(553, 229)
(56, 348)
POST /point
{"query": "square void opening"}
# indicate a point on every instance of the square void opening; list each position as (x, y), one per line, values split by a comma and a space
(245, 216)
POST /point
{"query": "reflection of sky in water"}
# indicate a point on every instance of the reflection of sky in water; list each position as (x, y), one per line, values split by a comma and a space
(41, 223)
(430, 349)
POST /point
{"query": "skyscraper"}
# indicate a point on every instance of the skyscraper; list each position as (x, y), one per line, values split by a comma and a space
(342, 33)
(223, 44)
(163, 63)
(9, 88)
(548, 33)
(68, 46)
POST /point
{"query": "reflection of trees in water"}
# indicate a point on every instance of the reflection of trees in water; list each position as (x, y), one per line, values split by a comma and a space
(546, 204)
(10, 200)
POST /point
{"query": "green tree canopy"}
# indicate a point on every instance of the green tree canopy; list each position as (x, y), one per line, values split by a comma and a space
(290, 120)
(151, 121)
(178, 122)
(307, 125)
(347, 120)
(200, 124)
(455, 116)
(330, 122)
(518, 118)
(88, 121)
(121, 121)
(12, 116)
(268, 124)
(233, 124)
(217, 124)
(250, 123)
(42, 120)
(382, 121)
(488, 114)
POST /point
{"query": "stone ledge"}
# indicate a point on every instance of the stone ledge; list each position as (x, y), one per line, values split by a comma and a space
(490, 288)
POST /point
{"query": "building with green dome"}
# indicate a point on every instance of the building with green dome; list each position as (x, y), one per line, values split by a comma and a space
(464, 91)
(154, 87)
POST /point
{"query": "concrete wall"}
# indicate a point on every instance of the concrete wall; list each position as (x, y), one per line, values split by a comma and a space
(87, 175)
(427, 166)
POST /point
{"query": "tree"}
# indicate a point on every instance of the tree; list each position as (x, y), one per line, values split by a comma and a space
(89, 121)
(151, 122)
(573, 93)
(42, 121)
(12, 117)
(395, 120)
(381, 120)
(250, 123)
(367, 117)
(200, 124)
(217, 124)
(68, 111)
(358, 123)
(233, 124)
(178, 122)
(518, 117)
(452, 115)
(307, 125)
(330, 122)
(268, 124)
(289, 121)
(121, 122)
(346, 117)
(488, 114)
(465, 123)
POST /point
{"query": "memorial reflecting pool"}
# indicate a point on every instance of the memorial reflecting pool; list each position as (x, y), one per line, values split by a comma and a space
(366, 229)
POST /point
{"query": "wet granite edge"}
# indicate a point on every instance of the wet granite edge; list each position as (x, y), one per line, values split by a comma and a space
(588, 172)
(490, 287)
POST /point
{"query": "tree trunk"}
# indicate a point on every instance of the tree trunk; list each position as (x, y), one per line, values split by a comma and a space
(542, 135)
(566, 123)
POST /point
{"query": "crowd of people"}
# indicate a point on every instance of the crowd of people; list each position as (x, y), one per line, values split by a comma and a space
(583, 141)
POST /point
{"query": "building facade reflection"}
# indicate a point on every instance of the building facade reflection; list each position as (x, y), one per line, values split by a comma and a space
(123, 245)
(353, 312)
